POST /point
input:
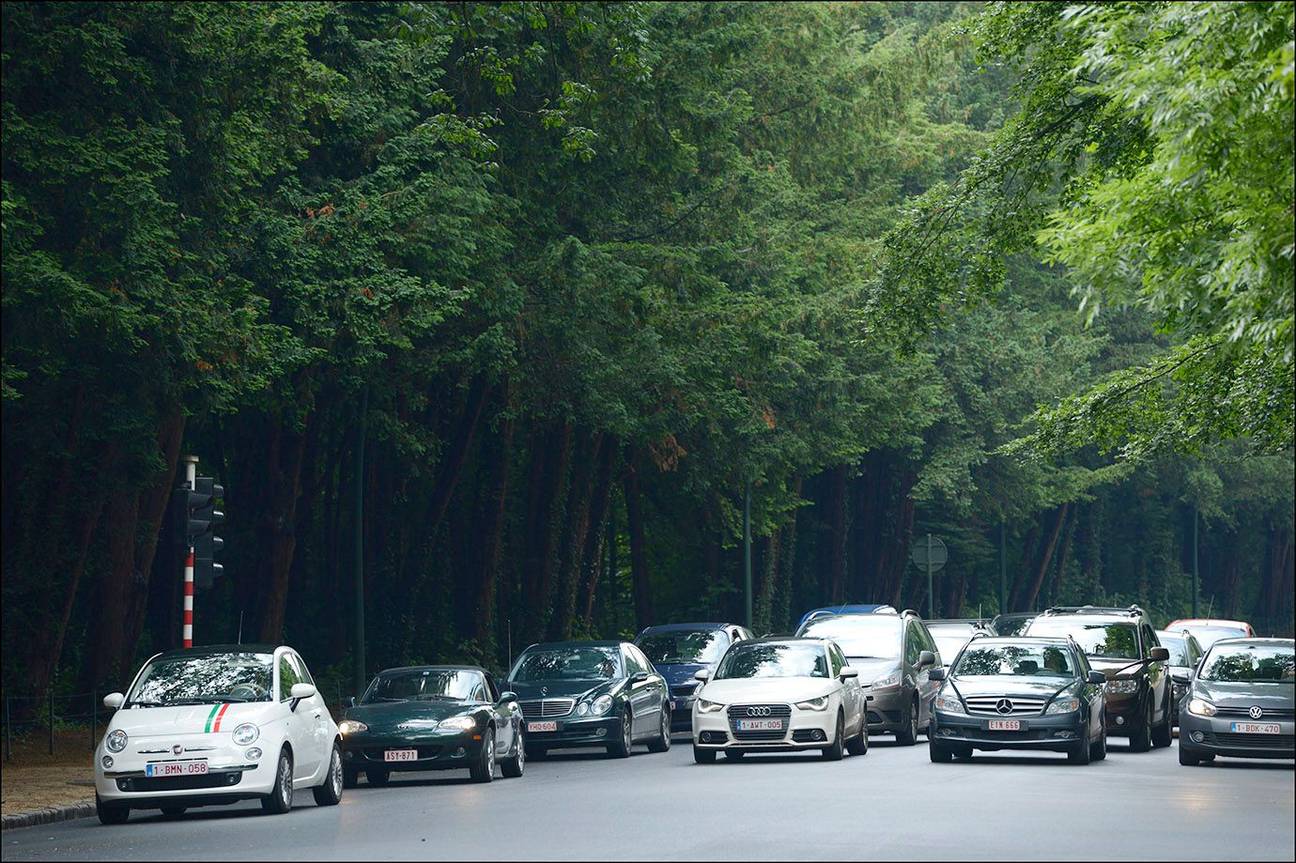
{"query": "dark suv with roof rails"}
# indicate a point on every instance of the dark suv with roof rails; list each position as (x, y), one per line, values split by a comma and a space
(1122, 644)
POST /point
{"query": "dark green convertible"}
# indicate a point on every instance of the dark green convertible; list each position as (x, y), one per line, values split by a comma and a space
(432, 717)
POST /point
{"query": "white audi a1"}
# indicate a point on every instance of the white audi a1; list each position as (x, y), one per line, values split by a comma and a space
(778, 695)
(213, 725)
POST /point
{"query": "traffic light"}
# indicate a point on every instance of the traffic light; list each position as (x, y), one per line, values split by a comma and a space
(206, 543)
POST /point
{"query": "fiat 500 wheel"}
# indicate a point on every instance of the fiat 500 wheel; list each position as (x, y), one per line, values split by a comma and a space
(280, 798)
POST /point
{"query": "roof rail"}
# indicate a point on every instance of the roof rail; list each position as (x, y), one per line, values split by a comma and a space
(909, 611)
(1092, 609)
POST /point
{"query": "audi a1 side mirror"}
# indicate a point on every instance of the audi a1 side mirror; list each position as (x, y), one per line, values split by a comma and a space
(936, 674)
(1159, 654)
(847, 672)
(1097, 678)
(702, 674)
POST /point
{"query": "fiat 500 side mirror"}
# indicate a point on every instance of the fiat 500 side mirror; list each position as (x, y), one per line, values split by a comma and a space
(113, 700)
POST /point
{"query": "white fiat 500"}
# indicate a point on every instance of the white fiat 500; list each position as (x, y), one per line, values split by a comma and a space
(212, 725)
(771, 695)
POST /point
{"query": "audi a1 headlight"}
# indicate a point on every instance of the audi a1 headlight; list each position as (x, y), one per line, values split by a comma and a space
(891, 681)
(705, 706)
(950, 703)
(246, 734)
(1062, 705)
(351, 726)
(1201, 707)
(820, 704)
(457, 723)
(601, 705)
(115, 741)
(1123, 686)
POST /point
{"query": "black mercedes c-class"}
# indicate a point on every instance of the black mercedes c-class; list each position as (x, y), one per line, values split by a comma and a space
(1019, 693)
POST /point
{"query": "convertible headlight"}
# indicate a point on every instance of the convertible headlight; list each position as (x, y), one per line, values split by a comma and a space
(705, 706)
(116, 740)
(246, 733)
(820, 703)
(1201, 707)
(1123, 686)
(950, 703)
(601, 705)
(351, 726)
(457, 723)
(1063, 705)
(891, 681)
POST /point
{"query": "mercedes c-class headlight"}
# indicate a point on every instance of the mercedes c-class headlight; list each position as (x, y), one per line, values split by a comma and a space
(705, 706)
(950, 703)
(1123, 686)
(115, 741)
(1062, 705)
(1201, 707)
(352, 726)
(820, 703)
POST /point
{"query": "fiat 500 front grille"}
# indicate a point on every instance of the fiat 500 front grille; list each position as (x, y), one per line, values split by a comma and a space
(1004, 705)
(547, 707)
(736, 712)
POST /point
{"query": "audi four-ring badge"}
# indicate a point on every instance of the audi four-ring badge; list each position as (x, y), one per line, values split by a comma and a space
(776, 695)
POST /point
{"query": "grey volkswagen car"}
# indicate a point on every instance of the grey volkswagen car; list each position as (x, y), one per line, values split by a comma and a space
(1242, 702)
(894, 655)
(1185, 653)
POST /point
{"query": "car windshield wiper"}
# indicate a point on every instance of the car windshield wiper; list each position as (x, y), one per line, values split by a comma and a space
(438, 696)
(142, 704)
(386, 698)
(183, 701)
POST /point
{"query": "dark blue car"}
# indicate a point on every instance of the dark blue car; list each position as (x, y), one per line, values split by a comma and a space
(678, 651)
(844, 609)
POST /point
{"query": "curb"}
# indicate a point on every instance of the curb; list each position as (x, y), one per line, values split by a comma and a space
(47, 816)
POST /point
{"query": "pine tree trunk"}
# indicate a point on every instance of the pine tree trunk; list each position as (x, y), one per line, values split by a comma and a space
(595, 536)
(838, 535)
(638, 552)
(453, 462)
(492, 533)
(1044, 558)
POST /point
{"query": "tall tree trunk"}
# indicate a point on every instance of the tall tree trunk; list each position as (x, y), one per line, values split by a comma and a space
(453, 462)
(572, 551)
(492, 533)
(765, 587)
(838, 534)
(780, 606)
(106, 635)
(638, 552)
(277, 530)
(596, 535)
(1045, 557)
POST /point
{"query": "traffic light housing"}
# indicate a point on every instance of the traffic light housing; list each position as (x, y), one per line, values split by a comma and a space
(206, 544)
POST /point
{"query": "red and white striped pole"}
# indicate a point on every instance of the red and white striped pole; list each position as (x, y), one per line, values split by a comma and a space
(191, 479)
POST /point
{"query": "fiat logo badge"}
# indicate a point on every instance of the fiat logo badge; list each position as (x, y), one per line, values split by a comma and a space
(177, 749)
(1256, 712)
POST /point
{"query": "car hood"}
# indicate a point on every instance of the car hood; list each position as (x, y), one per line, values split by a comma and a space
(1007, 685)
(192, 718)
(681, 673)
(562, 688)
(1246, 693)
(1114, 668)
(871, 668)
(395, 717)
(753, 689)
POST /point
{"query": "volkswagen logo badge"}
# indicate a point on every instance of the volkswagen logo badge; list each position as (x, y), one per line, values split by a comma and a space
(1003, 706)
(1255, 712)
(758, 711)
(177, 749)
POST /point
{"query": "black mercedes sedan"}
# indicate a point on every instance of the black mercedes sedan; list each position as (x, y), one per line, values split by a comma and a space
(432, 717)
(1019, 693)
(591, 693)
(1242, 702)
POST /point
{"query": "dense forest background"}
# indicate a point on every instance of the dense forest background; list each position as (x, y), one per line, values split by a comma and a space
(1016, 275)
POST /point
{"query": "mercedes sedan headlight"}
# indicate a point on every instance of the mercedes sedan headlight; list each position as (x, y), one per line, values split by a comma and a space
(891, 681)
(457, 723)
(1201, 707)
(950, 704)
(116, 740)
(1123, 686)
(705, 706)
(246, 734)
(352, 726)
(1062, 705)
(601, 705)
(820, 704)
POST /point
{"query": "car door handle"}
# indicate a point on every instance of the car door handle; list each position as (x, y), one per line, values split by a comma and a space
(317, 715)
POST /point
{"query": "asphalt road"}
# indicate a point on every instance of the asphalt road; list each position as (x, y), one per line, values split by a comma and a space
(889, 804)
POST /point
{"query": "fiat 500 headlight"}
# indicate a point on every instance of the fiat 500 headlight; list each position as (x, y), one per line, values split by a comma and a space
(352, 726)
(1123, 686)
(950, 703)
(820, 703)
(115, 741)
(246, 733)
(601, 705)
(705, 706)
(1063, 705)
(1201, 707)
(457, 723)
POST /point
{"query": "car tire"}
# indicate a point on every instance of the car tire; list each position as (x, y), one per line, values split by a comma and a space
(703, 756)
(834, 752)
(620, 748)
(1188, 759)
(280, 798)
(662, 742)
(377, 776)
(1141, 737)
(858, 745)
(350, 777)
(734, 754)
(1080, 753)
(329, 792)
(111, 813)
(1163, 734)
(908, 735)
(939, 754)
(174, 811)
(1098, 749)
(515, 765)
(482, 768)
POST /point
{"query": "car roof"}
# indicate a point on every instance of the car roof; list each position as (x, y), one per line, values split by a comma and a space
(1017, 639)
(1210, 621)
(1090, 617)
(438, 667)
(552, 644)
(1018, 614)
(211, 649)
(794, 639)
(954, 621)
(685, 627)
(1253, 639)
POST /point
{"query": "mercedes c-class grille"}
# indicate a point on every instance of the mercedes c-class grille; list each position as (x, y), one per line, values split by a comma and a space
(1004, 705)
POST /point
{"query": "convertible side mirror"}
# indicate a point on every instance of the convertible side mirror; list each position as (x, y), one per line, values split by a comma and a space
(702, 674)
(113, 700)
(1159, 654)
(926, 658)
(936, 674)
(1097, 678)
(349, 701)
(507, 696)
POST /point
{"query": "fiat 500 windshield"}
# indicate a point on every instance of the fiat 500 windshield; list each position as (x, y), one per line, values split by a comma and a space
(204, 680)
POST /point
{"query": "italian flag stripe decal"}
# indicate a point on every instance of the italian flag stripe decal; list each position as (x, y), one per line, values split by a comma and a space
(217, 711)
(220, 716)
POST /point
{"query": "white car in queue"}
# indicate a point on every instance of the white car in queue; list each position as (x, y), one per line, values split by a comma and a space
(779, 695)
(213, 725)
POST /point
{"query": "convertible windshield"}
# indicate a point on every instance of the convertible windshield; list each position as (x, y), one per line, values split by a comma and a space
(674, 648)
(773, 660)
(1015, 660)
(860, 635)
(1103, 640)
(204, 678)
(424, 683)
(567, 663)
(1265, 663)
